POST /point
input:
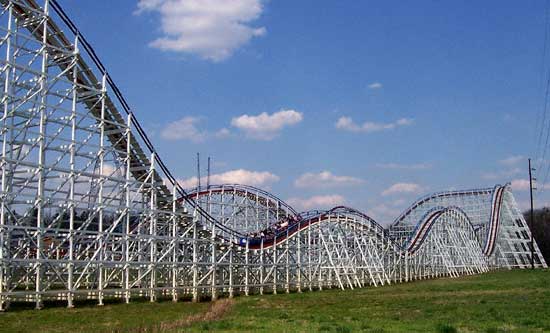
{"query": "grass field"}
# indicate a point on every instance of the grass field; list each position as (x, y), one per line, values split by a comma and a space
(511, 301)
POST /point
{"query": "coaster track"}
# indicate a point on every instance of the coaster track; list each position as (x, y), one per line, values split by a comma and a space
(88, 209)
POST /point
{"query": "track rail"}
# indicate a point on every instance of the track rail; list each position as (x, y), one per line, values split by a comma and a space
(141, 162)
(431, 197)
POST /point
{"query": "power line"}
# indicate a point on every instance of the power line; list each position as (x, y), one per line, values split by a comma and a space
(542, 114)
(541, 150)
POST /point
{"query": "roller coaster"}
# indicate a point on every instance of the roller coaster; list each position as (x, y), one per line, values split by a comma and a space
(88, 209)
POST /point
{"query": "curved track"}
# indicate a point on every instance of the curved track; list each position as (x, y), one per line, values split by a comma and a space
(279, 226)
(89, 210)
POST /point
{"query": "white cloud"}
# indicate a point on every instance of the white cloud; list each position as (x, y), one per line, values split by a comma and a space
(325, 179)
(383, 213)
(212, 29)
(222, 133)
(347, 124)
(512, 160)
(186, 129)
(109, 169)
(403, 188)
(239, 176)
(396, 166)
(523, 185)
(266, 126)
(375, 85)
(183, 129)
(520, 184)
(317, 202)
(399, 202)
(501, 174)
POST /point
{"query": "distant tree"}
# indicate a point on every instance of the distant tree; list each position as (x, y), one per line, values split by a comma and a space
(541, 230)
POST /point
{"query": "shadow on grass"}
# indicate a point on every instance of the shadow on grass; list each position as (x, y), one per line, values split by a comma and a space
(446, 328)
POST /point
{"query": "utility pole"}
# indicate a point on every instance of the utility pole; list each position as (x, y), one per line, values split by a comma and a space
(208, 175)
(532, 215)
(198, 172)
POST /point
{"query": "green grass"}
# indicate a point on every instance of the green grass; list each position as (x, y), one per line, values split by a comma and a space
(511, 301)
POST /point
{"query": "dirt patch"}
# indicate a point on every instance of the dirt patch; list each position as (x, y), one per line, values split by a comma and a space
(216, 311)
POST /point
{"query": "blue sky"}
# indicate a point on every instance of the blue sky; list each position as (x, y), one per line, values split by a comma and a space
(365, 103)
